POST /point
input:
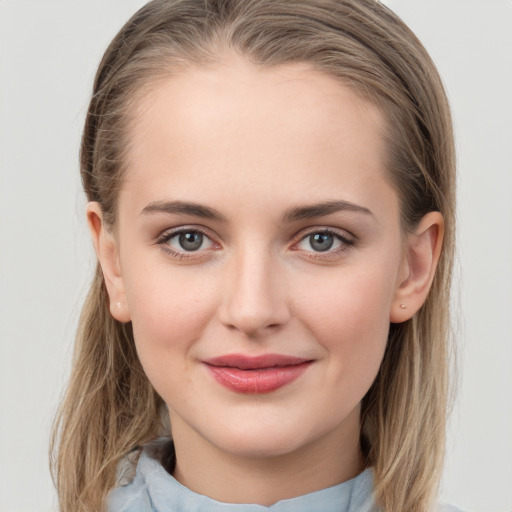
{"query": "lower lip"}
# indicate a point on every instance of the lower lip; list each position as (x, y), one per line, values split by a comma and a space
(257, 381)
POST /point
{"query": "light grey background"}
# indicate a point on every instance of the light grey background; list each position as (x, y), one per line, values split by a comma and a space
(49, 50)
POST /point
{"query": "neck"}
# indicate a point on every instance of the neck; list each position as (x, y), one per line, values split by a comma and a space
(233, 478)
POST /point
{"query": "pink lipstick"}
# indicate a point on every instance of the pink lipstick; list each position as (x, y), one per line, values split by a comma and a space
(254, 375)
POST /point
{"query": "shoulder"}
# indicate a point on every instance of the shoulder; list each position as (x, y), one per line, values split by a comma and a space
(135, 475)
(362, 495)
(132, 497)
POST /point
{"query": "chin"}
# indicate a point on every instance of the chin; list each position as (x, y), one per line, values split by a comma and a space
(260, 439)
(261, 447)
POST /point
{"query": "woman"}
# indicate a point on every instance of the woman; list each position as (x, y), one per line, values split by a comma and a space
(271, 190)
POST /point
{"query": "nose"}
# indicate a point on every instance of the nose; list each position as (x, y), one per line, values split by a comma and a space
(255, 297)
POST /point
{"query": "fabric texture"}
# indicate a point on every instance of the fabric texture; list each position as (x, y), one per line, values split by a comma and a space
(146, 486)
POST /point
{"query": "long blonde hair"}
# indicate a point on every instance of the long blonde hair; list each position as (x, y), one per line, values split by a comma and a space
(110, 406)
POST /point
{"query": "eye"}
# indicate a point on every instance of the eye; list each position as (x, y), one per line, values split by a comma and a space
(321, 241)
(185, 241)
(190, 241)
(324, 241)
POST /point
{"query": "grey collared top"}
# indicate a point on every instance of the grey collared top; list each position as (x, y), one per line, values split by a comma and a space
(153, 489)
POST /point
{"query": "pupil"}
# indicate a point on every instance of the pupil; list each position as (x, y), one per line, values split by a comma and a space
(321, 241)
(191, 241)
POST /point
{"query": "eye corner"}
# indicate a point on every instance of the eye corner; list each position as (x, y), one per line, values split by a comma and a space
(172, 242)
(340, 243)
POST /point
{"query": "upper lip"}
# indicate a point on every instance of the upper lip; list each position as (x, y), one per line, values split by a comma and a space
(244, 362)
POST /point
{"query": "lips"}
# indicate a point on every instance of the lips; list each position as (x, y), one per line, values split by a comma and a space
(255, 375)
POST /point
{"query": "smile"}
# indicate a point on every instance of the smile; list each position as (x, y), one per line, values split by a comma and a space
(256, 375)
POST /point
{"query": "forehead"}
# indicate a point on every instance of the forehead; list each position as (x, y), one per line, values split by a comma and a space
(234, 87)
(255, 129)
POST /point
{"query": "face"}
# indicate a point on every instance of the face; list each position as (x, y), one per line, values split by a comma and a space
(259, 252)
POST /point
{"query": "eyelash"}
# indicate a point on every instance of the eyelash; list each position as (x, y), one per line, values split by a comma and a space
(345, 243)
(164, 238)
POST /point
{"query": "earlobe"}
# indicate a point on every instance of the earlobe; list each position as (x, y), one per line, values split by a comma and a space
(106, 249)
(422, 252)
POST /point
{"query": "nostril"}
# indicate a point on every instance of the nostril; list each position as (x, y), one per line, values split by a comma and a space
(252, 326)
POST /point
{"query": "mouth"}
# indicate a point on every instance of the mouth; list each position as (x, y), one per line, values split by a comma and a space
(256, 375)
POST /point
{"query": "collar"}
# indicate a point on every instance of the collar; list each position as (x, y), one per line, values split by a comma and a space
(154, 487)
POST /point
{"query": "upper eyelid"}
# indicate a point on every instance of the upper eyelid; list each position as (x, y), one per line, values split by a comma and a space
(170, 232)
(342, 233)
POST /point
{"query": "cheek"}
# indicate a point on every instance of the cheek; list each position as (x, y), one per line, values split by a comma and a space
(169, 313)
(350, 319)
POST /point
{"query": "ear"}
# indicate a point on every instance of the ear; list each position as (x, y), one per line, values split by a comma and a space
(421, 255)
(106, 249)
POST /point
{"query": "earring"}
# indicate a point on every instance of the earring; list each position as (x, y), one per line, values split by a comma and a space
(403, 306)
(119, 305)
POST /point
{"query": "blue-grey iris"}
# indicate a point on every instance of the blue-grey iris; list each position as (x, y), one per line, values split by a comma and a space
(321, 241)
(191, 241)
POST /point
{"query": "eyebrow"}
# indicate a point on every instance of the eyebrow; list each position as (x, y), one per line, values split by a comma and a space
(322, 209)
(291, 215)
(184, 208)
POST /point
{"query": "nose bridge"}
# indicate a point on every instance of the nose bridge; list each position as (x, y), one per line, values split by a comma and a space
(255, 298)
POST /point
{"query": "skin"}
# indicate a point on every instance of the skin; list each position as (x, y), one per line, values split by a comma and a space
(254, 144)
